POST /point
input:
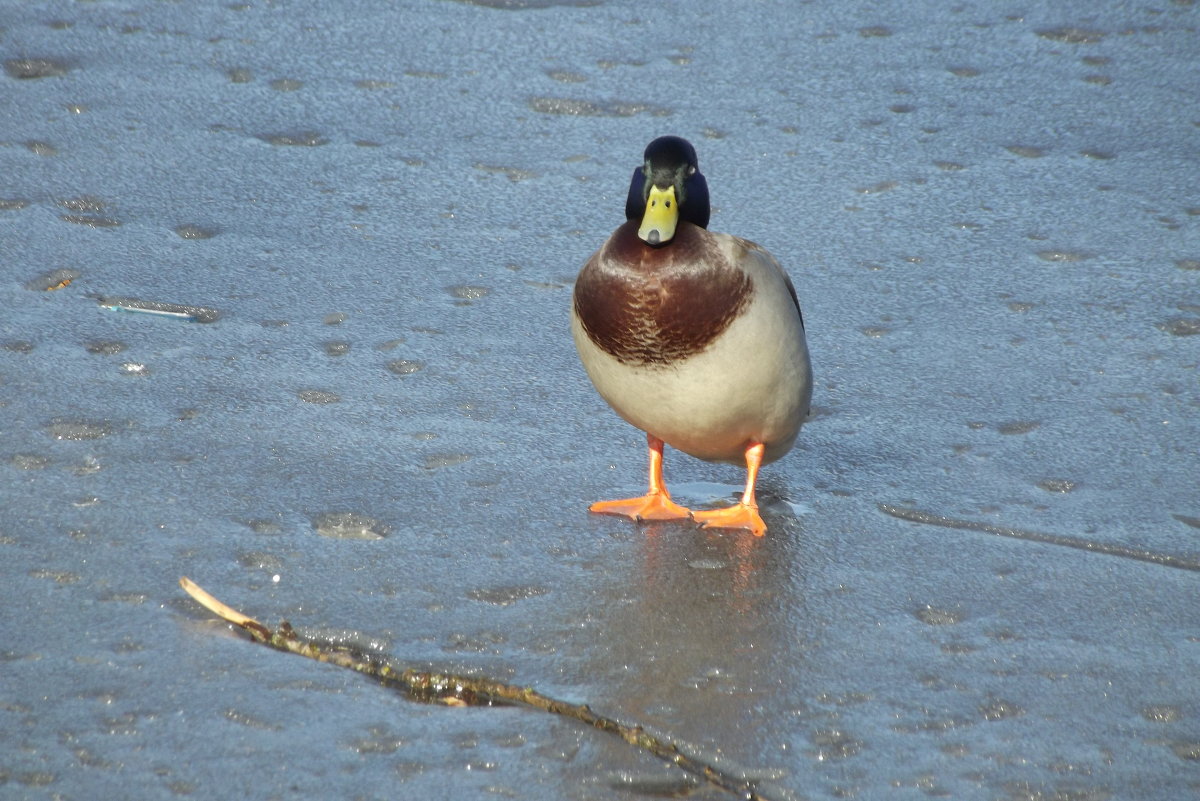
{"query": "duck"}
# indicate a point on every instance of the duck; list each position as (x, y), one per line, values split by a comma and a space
(694, 337)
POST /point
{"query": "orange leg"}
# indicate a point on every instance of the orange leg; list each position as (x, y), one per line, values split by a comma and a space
(655, 504)
(744, 513)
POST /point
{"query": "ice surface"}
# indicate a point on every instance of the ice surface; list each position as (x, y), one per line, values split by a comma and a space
(989, 210)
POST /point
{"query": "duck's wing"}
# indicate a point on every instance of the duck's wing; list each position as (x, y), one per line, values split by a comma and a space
(787, 279)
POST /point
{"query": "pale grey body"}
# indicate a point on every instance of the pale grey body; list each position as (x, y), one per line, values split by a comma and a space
(753, 383)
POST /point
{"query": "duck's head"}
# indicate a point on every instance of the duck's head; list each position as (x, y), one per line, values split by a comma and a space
(667, 188)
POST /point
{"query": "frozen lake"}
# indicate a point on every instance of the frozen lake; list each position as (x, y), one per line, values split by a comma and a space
(991, 214)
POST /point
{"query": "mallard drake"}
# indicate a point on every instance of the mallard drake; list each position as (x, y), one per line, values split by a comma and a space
(694, 337)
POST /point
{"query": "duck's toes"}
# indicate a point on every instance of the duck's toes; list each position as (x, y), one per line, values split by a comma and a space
(739, 516)
(653, 506)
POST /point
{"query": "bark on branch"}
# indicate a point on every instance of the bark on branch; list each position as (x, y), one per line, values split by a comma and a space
(430, 686)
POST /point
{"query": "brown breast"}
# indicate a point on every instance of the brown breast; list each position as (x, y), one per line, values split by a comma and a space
(653, 306)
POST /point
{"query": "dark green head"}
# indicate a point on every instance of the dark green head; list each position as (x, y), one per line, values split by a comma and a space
(667, 188)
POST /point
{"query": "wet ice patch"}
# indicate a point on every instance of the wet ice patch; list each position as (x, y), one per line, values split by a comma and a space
(87, 467)
(294, 139)
(999, 709)
(465, 295)
(262, 526)
(587, 108)
(78, 430)
(834, 745)
(565, 76)
(29, 461)
(57, 576)
(1063, 255)
(83, 203)
(1070, 34)
(31, 68)
(258, 560)
(505, 596)
(483, 642)
(1018, 427)
(249, 721)
(875, 189)
(1026, 151)
(349, 526)
(104, 347)
(317, 396)
(435, 461)
(1187, 750)
(379, 740)
(40, 148)
(87, 210)
(651, 786)
(405, 366)
(1161, 714)
(933, 616)
(190, 231)
(131, 598)
(1181, 327)
(91, 220)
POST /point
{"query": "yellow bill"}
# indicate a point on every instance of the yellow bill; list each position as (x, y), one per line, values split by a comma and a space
(661, 216)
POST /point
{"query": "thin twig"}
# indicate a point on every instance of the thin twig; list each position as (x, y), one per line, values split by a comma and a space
(428, 686)
(1108, 549)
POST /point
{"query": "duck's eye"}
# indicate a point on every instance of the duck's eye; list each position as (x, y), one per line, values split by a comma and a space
(691, 170)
